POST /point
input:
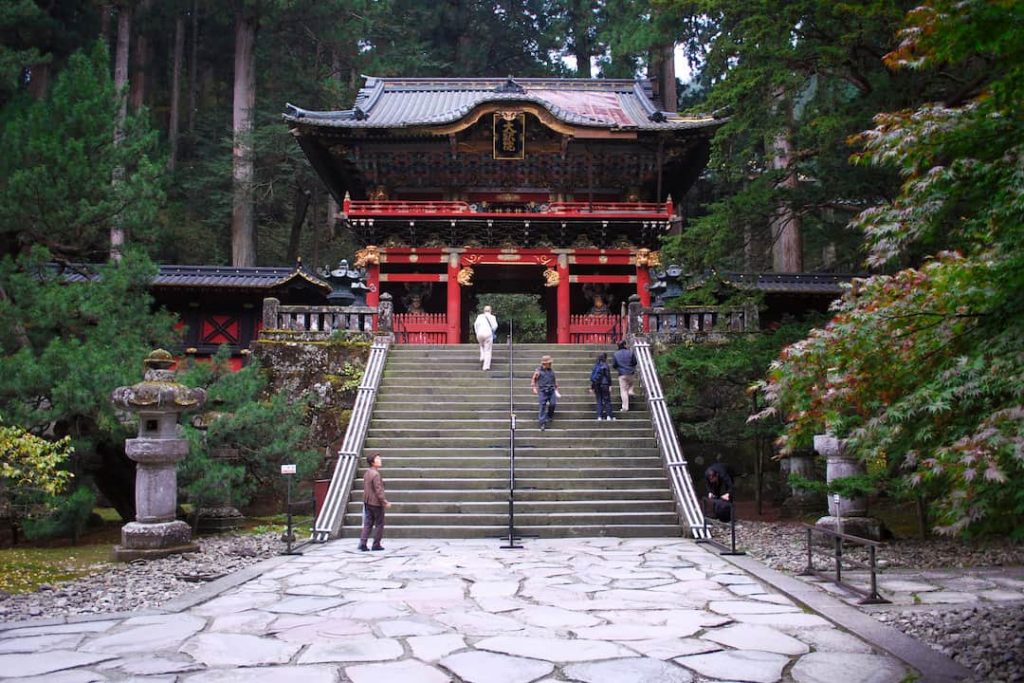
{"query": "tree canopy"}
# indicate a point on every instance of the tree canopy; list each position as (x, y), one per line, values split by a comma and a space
(923, 369)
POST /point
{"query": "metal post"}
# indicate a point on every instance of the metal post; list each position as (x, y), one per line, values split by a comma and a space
(289, 536)
(732, 530)
(839, 559)
(809, 569)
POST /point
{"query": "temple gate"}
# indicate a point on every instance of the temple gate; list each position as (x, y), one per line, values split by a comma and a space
(556, 187)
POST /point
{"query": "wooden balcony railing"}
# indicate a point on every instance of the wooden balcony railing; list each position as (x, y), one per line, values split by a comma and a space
(444, 209)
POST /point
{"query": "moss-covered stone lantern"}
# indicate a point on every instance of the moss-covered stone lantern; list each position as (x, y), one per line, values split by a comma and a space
(159, 401)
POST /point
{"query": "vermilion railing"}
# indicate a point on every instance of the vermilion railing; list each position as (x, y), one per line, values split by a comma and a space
(587, 208)
(369, 209)
(421, 328)
(595, 329)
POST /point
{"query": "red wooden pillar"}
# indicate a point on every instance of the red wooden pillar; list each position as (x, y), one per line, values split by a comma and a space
(454, 300)
(562, 325)
(373, 282)
(643, 278)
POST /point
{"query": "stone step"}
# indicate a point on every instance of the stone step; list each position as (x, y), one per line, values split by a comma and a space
(500, 507)
(500, 531)
(397, 518)
(597, 442)
(566, 450)
(583, 424)
(465, 429)
(524, 482)
(458, 413)
(522, 472)
(544, 347)
(525, 496)
(397, 463)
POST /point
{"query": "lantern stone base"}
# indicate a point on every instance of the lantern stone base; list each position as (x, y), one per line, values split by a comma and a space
(862, 527)
(152, 541)
(223, 518)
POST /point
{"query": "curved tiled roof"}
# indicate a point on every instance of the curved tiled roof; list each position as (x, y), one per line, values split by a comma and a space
(417, 102)
(213, 276)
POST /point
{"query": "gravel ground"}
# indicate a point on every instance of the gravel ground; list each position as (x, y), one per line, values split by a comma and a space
(988, 639)
(140, 584)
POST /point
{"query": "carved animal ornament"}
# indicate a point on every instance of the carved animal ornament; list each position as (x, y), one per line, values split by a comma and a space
(551, 277)
(368, 256)
(647, 258)
(465, 277)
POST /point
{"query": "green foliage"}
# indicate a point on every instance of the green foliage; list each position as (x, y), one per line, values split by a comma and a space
(707, 385)
(923, 369)
(67, 518)
(853, 486)
(65, 345)
(29, 462)
(259, 433)
(801, 71)
(524, 310)
(58, 162)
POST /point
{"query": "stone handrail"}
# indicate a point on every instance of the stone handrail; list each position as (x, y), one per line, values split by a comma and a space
(689, 321)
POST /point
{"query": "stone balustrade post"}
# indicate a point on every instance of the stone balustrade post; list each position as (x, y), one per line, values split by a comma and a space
(270, 313)
(636, 317)
(385, 314)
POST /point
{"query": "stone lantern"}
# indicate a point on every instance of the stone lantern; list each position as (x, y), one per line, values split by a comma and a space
(159, 401)
(850, 515)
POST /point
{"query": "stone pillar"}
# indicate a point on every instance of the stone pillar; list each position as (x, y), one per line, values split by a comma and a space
(800, 501)
(159, 401)
(850, 514)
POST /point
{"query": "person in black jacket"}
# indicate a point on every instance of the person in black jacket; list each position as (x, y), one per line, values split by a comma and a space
(719, 478)
(601, 386)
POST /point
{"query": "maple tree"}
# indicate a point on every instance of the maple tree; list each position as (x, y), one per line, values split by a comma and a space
(923, 369)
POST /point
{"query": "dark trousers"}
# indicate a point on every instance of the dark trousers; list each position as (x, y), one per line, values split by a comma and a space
(546, 401)
(603, 395)
(373, 517)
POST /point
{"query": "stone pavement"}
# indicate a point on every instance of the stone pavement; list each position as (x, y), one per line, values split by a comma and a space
(591, 610)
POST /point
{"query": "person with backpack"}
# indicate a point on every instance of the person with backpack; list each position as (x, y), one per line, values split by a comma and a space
(485, 326)
(545, 386)
(601, 387)
(624, 361)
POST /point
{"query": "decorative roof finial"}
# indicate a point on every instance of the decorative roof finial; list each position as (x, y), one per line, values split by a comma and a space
(510, 86)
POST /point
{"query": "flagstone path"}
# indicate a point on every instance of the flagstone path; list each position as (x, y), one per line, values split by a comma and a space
(588, 610)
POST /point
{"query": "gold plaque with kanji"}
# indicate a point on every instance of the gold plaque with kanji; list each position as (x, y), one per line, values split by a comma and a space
(509, 135)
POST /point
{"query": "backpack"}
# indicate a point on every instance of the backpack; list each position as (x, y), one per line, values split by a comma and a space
(596, 374)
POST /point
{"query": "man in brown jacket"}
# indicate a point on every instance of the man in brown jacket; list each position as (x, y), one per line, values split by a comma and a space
(374, 503)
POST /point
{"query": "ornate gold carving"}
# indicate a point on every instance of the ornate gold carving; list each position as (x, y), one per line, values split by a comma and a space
(551, 277)
(370, 256)
(379, 194)
(465, 277)
(647, 258)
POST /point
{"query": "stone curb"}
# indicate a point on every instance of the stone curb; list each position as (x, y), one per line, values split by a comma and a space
(933, 666)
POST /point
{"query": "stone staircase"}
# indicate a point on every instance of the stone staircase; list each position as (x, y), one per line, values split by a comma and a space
(441, 426)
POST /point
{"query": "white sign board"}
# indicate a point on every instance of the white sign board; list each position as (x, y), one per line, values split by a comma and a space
(287, 469)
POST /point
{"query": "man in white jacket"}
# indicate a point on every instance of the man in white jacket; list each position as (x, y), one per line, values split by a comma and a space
(485, 327)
